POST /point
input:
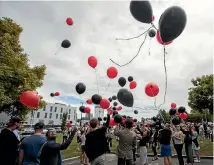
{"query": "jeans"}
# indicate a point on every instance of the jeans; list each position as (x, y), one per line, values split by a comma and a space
(178, 148)
(189, 153)
(122, 161)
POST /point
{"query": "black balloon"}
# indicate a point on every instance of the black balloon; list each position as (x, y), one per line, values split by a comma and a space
(52, 94)
(154, 119)
(115, 103)
(115, 113)
(104, 118)
(124, 116)
(110, 99)
(99, 118)
(82, 109)
(172, 23)
(135, 112)
(114, 108)
(176, 120)
(80, 88)
(125, 97)
(181, 109)
(141, 11)
(172, 111)
(96, 99)
(130, 78)
(114, 97)
(135, 120)
(122, 81)
(117, 118)
(66, 44)
(152, 33)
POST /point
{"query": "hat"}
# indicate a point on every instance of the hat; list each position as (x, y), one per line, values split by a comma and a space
(39, 125)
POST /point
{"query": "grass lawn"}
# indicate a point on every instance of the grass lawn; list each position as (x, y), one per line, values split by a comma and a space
(73, 150)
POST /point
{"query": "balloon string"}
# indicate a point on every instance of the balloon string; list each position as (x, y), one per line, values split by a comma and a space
(154, 26)
(107, 87)
(164, 100)
(97, 81)
(57, 51)
(154, 98)
(135, 36)
(149, 46)
(133, 57)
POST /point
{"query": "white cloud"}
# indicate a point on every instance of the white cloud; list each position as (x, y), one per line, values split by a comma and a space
(96, 25)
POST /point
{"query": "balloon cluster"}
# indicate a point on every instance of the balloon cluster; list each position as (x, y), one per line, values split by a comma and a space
(54, 94)
(177, 114)
(84, 109)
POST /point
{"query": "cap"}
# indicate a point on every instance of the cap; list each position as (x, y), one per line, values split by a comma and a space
(39, 125)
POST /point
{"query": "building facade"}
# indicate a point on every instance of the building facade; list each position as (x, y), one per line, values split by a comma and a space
(98, 112)
(52, 113)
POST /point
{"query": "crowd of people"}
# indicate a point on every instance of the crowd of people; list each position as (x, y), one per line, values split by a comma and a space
(95, 141)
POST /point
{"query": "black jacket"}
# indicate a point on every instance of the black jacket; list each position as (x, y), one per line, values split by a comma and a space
(50, 153)
(96, 142)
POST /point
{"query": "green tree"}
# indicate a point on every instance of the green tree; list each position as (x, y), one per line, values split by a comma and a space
(64, 119)
(16, 74)
(201, 94)
(165, 115)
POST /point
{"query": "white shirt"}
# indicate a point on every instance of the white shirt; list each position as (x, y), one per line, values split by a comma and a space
(16, 132)
(82, 140)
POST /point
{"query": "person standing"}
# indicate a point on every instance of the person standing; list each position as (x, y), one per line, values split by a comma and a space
(9, 143)
(165, 138)
(30, 146)
(178, 138)
(96, 144)
(65, 135)
(201, 132)
(83, 157)
(50, 152)
(127, 142)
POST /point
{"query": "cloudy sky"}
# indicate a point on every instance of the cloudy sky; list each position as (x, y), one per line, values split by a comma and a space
(96, 25)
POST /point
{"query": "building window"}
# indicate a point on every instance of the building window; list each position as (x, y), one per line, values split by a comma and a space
(60, 116)
(55, 109)
(61, 110)
(57, 116)
(50, 115)
(38, 114)
(51, 109)
(46, 115)
(69, 116)
(44, 108)
(69, 111)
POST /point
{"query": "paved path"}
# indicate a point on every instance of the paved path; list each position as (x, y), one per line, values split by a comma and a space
(111, 159)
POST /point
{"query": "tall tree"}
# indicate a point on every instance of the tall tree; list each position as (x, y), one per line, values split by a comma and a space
(64, 119)
(201, 94)
(16, 74)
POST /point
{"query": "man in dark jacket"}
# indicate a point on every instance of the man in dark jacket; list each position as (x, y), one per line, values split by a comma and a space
(50, 151)
(96, 142)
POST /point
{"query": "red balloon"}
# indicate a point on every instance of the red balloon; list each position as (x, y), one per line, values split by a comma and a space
(30, 99)
(119, 108)
(111, 112)
(132, 84)
(69, 21)
(112, 72)
(89, 101)
(151, 89)
(158, 37)
(112, 122)
(153, 18)
(183, 115)
(133, 125)
(57, 94)
(104, 103)
(87, 110)
(92, 61)
(173, 105)
(148, 124)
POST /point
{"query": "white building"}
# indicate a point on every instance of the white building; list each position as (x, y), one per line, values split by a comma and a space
(52, 113)
(98, 112)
